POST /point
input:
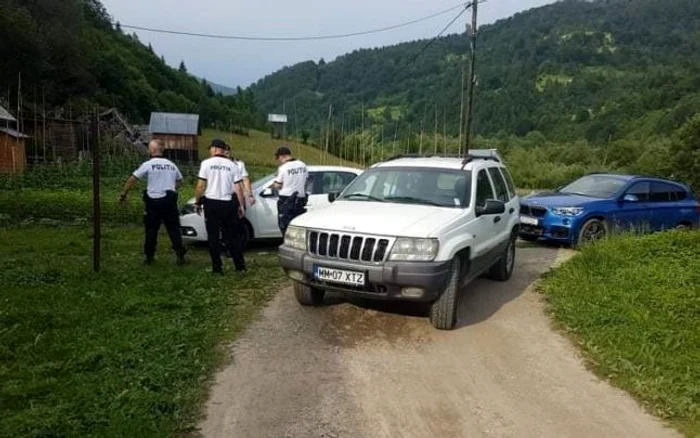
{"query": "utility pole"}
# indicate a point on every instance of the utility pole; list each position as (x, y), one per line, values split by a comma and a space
(472, 81)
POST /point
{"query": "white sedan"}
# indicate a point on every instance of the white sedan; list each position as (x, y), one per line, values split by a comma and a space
(261, 217)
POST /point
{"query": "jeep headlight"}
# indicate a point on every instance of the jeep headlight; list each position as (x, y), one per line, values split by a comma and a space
(414, 250)
(567, 211)
(295, 237)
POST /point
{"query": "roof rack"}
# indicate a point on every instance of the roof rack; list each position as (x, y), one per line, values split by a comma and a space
(474, 154)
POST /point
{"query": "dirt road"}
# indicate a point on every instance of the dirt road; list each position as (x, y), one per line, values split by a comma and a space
(347, 370)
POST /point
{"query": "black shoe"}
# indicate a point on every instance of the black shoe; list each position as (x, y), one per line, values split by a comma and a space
(181, 259)
(217, 271)
(148, 261)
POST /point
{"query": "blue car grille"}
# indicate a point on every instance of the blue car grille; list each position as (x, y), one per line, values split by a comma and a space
(531, 210)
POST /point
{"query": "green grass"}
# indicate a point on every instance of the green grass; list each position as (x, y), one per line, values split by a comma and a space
(259, 149)
(633, 306)
(126, 352)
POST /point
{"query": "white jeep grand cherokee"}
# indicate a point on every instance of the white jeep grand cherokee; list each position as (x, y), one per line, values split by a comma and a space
(410, 228)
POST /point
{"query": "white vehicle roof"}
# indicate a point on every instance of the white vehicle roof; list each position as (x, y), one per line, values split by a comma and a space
(479, 156)
(333, 169)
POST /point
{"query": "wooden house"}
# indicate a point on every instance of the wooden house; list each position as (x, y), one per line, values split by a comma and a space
(12, 145)
(179, 132)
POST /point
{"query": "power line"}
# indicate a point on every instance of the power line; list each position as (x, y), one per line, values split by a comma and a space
(302, 38)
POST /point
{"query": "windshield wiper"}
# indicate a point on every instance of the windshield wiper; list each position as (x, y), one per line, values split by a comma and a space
(414, 200)
(364, 196)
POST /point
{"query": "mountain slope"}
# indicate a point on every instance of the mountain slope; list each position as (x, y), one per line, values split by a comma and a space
(599, 70)
(70, 52)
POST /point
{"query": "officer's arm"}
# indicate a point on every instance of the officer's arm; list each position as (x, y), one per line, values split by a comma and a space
(199, 191)
(128, 185)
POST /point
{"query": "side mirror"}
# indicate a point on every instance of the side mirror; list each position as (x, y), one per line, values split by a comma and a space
(332, 196)
(268, 193)
(630, 198)
(558, 189)
(492, 207)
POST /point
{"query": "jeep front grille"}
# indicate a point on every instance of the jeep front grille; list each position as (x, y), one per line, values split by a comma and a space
(342, 246)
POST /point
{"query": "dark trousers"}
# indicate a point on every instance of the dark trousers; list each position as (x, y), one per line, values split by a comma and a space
(289, 207)
(221, 218)
(162, 210)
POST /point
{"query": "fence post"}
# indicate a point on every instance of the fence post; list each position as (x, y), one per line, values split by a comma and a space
(96, 213)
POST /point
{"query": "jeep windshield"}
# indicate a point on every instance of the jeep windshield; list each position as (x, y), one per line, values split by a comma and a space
(411, 185)
(594, 186)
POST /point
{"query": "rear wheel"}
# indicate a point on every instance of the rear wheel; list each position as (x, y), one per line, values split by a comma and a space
(591, 231)
(443, 312)
(684, 227)
(503, 269)
(307, 295)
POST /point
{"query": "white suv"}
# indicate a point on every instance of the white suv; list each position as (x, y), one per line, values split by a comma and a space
(410, 228)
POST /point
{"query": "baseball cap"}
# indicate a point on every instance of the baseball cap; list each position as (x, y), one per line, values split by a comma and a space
(218, 143)
(283, 150)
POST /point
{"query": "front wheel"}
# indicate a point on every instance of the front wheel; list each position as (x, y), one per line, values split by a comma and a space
(592, 230)
(307, 295)
(443, 312)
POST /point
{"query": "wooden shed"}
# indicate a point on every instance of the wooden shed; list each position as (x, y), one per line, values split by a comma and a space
(12, 145)
(180, 132)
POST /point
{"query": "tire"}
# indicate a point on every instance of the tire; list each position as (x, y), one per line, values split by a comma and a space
(443, 311)
(684, 227)
(307, 295)
(503, 269)
(591, 231)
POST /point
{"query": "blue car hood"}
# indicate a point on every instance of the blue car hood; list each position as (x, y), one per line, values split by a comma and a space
(553, 199)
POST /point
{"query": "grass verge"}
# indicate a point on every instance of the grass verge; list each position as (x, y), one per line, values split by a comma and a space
(633, 306)
(125, 352)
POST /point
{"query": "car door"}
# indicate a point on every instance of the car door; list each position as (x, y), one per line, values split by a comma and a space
(635, 212)
(328, 182)
(502, 221)
(665, 209)
(485, 229)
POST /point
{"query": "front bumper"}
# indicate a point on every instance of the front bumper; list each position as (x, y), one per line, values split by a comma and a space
(552, 227)
(193, 228)
(387, 281)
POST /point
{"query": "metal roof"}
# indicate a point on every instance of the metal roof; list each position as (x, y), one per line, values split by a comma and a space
(172, 123)
(5, 115)
(13, 133)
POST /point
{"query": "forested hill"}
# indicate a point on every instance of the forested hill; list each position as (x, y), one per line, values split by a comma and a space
(600, 70)
(70, 52)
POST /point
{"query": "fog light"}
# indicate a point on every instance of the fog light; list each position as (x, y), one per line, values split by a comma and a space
(297, 276)
(566, 221)
(412, 292)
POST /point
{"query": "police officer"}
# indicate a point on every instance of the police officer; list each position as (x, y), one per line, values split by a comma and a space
(246, 186)
(219, 193)
(160, 199)
(291, 183)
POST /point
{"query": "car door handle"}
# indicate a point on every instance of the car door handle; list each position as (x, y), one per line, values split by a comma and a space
(497, 219)
(511, 211)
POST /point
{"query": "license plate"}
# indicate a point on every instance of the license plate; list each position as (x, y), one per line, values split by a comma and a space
(527, 220)
(340, 276)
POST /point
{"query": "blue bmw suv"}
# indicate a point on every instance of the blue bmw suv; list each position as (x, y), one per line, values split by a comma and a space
(594, 205)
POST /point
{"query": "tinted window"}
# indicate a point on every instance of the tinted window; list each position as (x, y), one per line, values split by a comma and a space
(313, 184)
(334, 182)
(499, 184)
(662, 192)
(509, 181)
(484, 191)
(595, 186)
(440, 187)
(640, 190)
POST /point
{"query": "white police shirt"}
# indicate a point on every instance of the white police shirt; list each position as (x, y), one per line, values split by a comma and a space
(241, 168)
(221, 175)
(161, 174)
(292, 175)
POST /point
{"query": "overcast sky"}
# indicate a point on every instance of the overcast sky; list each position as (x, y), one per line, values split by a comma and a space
(241, 63)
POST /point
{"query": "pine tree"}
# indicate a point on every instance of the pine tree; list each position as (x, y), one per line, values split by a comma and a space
(182, 67)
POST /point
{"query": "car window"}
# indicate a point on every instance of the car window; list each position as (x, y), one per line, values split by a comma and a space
(334, 182)
(509, 181)
(412, 185)
(313, 184)
(680, 194)
(499, 184)
(662, 192)
(640, 190)
(484, 191)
